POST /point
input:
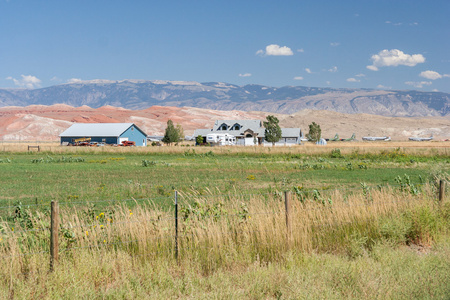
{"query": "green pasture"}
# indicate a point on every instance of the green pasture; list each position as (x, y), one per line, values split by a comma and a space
(38, 178)
(390, 243)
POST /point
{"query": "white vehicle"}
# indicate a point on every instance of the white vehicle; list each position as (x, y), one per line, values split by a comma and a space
(221, 139)
(419, 139)
(376, 138)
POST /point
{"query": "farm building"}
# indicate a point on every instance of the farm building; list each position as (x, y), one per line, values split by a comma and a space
(107, 133)
(249, 132)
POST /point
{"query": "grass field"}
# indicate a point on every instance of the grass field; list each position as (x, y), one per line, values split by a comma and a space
(87, 174)
(364, 222)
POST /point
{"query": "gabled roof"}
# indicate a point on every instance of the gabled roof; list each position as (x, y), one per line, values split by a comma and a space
(98, 129)
(254, 125)
(291, 132)
(245, 124)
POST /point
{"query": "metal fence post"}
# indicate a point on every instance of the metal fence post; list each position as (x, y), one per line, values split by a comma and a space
(176, 225)
(441, 190)
(54, 224)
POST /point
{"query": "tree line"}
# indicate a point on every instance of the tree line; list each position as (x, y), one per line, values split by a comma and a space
(272, 132)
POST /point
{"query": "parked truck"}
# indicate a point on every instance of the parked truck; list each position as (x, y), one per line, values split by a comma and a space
(128, 143)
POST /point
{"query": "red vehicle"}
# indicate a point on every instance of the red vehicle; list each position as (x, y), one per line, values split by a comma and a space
(128, 143)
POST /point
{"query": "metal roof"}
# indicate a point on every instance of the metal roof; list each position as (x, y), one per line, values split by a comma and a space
(291, 132)
(97, 129)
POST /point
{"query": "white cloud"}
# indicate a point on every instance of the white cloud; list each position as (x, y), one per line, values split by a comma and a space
(300, 50)
(333, 69)
(245, 75)
(308, 70)
(353, 80)
(27, 81)
(275, 50)
(328, 82)
(394, 57)
(360, 75)
(380, 86)
(74, 80)
(334, 44)
(432, 75)
(298, 78)
(418, 84)
(55, 78)
(395, 24)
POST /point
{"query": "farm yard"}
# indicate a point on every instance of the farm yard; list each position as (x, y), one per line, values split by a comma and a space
(344, 221)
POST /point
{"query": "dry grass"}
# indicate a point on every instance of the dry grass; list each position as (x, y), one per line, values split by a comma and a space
(254, 227)
(413, 148)
(232, 249)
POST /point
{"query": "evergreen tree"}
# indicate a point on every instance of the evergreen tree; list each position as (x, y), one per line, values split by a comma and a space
(272, 130)
(171, 134)
(315, 132)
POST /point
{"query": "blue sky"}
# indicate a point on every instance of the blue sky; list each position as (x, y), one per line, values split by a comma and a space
(395, 44)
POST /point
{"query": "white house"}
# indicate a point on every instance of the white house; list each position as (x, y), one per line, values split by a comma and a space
(249, 133)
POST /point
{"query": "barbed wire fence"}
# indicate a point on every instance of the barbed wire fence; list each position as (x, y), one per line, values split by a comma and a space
(55, 227)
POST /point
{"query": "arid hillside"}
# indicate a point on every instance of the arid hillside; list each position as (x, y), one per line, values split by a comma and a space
(141, 94)
(45, 123)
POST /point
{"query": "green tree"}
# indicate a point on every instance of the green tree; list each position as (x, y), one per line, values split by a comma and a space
(199, 140)
(315, 132)
(272, 130)
(180, 132)
(171, 134)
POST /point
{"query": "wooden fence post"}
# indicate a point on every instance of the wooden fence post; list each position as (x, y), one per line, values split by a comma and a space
(176, 225)
(54, 225)
(441, 190)
(287, 206)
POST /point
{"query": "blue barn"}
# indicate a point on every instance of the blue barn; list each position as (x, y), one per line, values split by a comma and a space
(107, 133)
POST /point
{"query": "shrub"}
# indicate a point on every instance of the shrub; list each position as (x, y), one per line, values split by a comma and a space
(336, 153)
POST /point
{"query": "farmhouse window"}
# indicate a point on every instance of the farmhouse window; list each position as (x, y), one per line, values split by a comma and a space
(236, 127)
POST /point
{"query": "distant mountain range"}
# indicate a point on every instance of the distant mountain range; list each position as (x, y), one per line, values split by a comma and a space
(141, 94)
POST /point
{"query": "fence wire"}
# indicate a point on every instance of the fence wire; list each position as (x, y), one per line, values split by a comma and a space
(245, 216)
